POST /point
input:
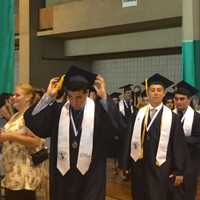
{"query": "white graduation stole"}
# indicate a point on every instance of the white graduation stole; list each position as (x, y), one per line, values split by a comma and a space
(86, 140)
(187, 120)
(136, 145)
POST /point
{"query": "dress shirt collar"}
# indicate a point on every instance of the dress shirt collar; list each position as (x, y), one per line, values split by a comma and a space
(158, 108)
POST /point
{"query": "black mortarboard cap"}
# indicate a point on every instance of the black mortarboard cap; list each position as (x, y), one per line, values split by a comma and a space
(79, 77)
(169, 95)
(185, 88)
(115, 94)
(126, 87)
(158, 79)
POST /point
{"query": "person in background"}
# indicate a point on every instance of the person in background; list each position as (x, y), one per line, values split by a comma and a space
(144, 100)
(79, 130)
(115, 98)
(6, 113)
(126, 104)
(169, 100)
(114, 144)
(21, 178)
(136, 94)
(154, 147)
(195, 104)
(127, 109)
(190, 121)
(6, 110)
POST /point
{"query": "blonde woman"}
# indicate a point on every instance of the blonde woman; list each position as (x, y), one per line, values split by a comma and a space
(22, 178)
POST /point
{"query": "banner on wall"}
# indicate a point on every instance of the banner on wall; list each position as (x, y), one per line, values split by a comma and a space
(129, 3)
(6, 45)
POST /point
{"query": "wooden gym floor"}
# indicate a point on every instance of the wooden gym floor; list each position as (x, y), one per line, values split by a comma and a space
(117, 189)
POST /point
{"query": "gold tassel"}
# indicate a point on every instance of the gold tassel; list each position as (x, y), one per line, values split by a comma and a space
(141, 153)
(146, 86)
(59, 84)
(157, 163)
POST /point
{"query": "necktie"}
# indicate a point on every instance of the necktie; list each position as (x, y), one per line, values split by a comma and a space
(180, 114)
(152, 112)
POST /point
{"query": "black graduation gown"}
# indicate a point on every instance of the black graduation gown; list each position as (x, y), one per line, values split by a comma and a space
(73, 185)
(115, 142)
(128, 111)
(192, 171)
(150, 182)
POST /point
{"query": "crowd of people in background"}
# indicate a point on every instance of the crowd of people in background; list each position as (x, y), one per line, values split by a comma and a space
(159, 154)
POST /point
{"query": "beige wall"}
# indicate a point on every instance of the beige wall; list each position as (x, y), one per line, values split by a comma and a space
(40, 58)
(24, 41)
(191, 20)
(125, 42)
(90, 14)
(74, 16)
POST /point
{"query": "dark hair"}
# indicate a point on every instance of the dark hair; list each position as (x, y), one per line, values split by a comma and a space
(2, 100)
(183, 92)
(3, 97)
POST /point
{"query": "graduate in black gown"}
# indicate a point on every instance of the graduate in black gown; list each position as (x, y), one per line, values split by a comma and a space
(154, 148)
(190, 121)
(126, 105)
(79, 132)
(169, 100)
(115, 142)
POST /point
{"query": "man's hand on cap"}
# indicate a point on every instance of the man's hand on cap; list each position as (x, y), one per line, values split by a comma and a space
(100, 87)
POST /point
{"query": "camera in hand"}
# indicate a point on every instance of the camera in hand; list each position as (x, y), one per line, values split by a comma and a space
(40, 156)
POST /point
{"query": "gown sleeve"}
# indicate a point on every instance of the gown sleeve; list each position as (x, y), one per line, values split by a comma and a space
(42, 122)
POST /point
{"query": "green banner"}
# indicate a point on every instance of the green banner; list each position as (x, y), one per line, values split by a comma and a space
(191, 62)
(6, 45)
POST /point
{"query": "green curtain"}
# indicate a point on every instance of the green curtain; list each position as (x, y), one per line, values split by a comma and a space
(6, 45)
(191, 62)
(197, 63)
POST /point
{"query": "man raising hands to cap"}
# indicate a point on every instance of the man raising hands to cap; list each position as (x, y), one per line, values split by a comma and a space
(79, 131)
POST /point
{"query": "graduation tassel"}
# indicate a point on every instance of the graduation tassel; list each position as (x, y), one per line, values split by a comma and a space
(59, 84)
(146, 86)
(157, 163)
